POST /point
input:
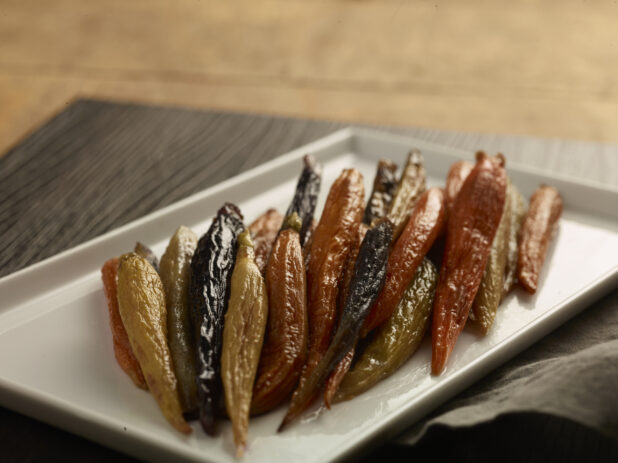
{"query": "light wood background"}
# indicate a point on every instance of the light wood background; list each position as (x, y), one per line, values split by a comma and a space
(532, 67)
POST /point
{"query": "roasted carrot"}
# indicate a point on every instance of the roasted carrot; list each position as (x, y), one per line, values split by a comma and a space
(470, 233)
(209, 292)
(285, 345)
(539, 226)
(141, 302)
(306, 196)
(243, 334)
(455, 178)
(485, 306)
(409, 189)
(336, 377)
(518, 212)
(122, 347)
(264, 230)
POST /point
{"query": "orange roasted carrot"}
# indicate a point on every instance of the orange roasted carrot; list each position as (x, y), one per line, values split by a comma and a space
(539, 225)
(423, 227)
(332, 241)
(469, 235)
(122, 348)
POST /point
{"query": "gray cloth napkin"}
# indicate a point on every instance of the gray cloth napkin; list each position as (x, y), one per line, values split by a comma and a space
(571, 374)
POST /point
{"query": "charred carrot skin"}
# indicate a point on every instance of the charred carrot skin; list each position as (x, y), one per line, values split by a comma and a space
(264, 230)
(308, 241)
(348, 272)
(122, 347)
(285, 345)
(470, 233)
(539, 226)
(332, 241)
(455, 178)
(209, 291)
(332, 383)
(368, 279)
(306, 196)
(423, 227)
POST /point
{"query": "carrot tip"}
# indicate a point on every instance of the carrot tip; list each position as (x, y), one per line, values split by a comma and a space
(284, 423)
(437, 364)
(291, 415)
(527, 282)
(183, 427)
(327, 401)
(208, 425)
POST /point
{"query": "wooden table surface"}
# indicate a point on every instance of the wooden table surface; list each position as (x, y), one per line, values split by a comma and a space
(537, 67)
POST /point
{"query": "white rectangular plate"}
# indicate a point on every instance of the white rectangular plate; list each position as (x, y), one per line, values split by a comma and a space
(57, 363)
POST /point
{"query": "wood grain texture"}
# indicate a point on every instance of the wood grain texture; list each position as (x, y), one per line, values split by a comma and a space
(98, 165)
(537, 67)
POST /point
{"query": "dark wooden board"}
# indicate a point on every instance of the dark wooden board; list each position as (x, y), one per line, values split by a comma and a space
(97, 166)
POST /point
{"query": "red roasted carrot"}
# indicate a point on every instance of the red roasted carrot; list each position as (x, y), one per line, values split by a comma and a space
(455, 178)
(543, 214)
(470, 232)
